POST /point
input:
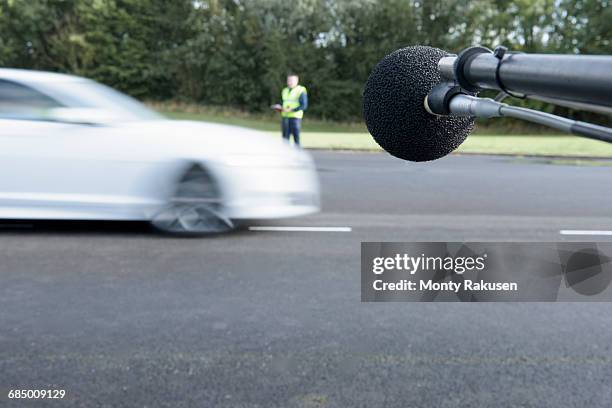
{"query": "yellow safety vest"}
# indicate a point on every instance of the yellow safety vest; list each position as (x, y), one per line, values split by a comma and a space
(291, 100)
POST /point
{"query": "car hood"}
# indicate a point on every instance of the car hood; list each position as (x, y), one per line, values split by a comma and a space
(189, 137)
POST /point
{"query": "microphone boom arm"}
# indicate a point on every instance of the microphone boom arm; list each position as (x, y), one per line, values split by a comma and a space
(466, 105)
(572, 78)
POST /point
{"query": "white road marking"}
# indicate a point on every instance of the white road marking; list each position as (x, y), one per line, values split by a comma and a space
(585, 232)
(303, 229)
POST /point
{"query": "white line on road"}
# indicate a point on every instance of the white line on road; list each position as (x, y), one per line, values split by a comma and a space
(585, 232)
(303, 229)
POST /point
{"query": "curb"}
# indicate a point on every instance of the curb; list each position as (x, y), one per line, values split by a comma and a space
(518, 155)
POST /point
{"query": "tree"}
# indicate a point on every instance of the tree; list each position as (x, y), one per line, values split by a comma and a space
(237, 52)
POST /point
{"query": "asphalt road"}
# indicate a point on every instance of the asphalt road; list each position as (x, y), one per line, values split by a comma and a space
(118, 316)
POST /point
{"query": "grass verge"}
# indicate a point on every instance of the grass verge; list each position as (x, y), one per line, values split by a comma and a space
(531, 145)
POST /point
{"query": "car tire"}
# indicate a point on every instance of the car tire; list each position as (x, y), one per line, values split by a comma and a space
(195, 208)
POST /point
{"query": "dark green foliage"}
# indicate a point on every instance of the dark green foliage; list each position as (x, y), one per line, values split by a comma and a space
(237, 52)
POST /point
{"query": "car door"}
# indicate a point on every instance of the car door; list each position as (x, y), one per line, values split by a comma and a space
(71, 170)
(50, 169)
(29, 166)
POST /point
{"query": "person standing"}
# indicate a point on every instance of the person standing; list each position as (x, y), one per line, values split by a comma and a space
(294, 103)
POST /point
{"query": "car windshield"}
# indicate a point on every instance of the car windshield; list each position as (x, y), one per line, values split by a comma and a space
(84, 93)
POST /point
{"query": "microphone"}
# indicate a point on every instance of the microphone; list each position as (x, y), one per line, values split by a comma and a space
(419, 102)
(394, 111)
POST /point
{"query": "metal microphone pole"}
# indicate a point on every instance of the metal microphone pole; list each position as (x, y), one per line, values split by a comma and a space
(583, 79)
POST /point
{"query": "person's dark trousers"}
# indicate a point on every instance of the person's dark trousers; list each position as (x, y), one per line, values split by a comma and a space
(291, 126)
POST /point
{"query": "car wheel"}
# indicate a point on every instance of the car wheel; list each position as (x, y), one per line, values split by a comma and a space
(195, 209)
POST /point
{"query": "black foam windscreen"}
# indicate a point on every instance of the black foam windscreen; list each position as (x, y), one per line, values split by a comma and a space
(394, 111)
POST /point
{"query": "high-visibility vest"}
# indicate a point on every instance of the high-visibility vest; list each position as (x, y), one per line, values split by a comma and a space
(291, 100)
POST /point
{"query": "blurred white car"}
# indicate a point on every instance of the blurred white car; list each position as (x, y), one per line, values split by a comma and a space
(75, 149)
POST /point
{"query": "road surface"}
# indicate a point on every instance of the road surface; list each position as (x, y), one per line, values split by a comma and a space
(119, 316)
